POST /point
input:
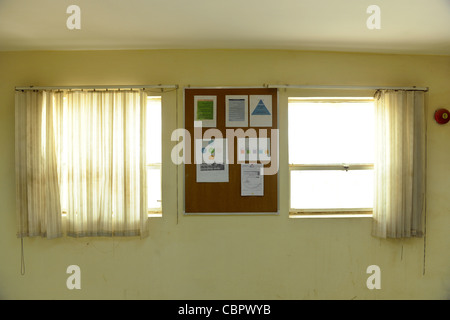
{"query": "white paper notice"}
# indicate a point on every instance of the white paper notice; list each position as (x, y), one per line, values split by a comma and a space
(261, 111)
(236, 111)
(252, 179)
(211, 161)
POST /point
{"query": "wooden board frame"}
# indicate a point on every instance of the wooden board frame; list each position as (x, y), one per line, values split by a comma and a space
(225, 198)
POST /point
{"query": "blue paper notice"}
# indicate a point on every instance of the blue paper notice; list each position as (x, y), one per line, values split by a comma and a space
(261, 110)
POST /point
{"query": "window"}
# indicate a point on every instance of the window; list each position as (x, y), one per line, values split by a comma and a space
(154, 149)
(331, 155)
(154, 158)
(86, 156)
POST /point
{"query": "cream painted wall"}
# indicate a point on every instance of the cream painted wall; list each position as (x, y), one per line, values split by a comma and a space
(263, 257)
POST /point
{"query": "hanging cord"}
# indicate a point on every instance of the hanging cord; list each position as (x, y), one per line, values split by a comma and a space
(22, 258)
(401, 254)
(22, 255)
(424, 242)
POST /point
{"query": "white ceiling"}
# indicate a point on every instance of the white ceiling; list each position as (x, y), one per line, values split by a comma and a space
(407, 26)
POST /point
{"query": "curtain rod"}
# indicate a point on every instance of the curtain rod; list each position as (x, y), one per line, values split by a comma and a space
(99, 87)
(287, 86)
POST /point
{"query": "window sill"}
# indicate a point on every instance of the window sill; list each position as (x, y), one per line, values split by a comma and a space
(359, 213)
(151, 214)
(154, 214)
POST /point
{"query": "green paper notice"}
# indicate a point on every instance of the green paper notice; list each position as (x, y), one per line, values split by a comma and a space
(205, 110)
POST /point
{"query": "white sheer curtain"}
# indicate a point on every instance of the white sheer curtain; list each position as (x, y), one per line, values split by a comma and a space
(99, 167)
(399, 164)
(38, 204)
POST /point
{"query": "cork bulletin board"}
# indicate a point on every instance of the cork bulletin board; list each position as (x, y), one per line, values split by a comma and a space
(234, 115)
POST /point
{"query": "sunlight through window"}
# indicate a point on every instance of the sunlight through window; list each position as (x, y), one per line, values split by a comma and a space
(331, 153)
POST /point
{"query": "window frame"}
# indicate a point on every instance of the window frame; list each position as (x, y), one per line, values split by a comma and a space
(328, 212)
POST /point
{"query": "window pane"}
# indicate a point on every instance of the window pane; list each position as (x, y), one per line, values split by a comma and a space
(154, 130)
(154, 152)
(154, 188)
(331, 189)
(321, 133)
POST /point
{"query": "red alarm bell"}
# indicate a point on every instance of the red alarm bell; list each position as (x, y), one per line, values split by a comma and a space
(442, 116)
